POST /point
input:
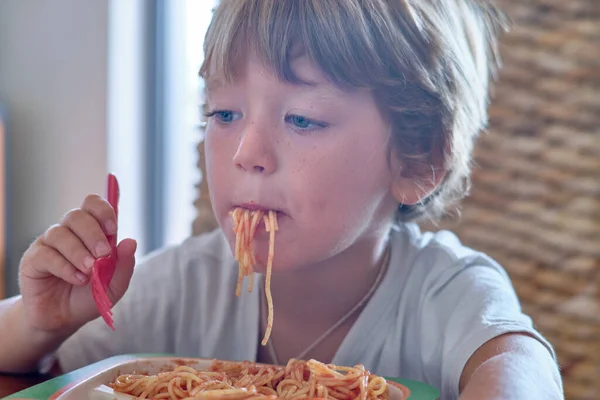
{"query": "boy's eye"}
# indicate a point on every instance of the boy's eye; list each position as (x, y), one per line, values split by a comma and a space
(223, 116)
(303, 123)
(300, 121)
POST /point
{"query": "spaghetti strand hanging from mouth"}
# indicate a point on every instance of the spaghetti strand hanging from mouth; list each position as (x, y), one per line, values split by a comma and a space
(245, 224)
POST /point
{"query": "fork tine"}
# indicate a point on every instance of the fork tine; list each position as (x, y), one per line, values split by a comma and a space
(100, 303)
(100, 297)
(103, 299)
(105, 313)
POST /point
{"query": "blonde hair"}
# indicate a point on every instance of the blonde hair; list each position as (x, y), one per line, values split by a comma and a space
(427, 62)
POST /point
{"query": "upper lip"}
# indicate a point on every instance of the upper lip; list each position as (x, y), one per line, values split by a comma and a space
(252, 206)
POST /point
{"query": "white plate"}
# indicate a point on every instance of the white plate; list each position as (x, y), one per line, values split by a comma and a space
(146, 366)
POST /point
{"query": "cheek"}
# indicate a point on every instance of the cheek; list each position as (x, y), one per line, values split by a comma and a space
(216, 171)
(213, 151)
(342, 183)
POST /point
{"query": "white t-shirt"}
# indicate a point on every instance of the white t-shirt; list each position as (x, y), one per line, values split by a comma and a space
(436, 305)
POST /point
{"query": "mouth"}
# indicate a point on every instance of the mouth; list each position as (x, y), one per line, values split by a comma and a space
(252, 206)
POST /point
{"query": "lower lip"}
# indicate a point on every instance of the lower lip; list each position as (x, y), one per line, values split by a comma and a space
(280, 218)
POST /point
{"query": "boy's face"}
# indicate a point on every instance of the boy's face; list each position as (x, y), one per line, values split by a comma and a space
(314, 153)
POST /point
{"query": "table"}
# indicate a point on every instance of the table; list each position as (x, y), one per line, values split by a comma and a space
(10, 384)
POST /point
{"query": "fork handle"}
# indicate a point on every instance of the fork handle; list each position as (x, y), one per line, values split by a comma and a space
(112, 195)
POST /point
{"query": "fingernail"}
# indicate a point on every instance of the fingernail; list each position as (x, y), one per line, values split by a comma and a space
(88, 262)
(102, 249)
(110, 227)
(81, 276)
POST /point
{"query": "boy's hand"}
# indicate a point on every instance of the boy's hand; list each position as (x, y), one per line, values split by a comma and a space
(56, 269)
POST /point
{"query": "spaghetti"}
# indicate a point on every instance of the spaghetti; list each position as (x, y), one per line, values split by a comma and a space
(250, 381)
(245, 223)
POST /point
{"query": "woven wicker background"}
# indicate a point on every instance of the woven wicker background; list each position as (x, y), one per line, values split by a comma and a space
(535, 202)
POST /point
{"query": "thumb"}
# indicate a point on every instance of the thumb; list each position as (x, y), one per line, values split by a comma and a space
(123, 270)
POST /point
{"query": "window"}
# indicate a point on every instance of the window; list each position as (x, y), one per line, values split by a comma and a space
(154, 97)
(186, 27)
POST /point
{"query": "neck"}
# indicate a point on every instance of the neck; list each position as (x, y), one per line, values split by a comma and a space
(339, 282)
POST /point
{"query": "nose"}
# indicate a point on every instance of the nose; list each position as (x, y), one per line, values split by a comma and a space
(255, 152)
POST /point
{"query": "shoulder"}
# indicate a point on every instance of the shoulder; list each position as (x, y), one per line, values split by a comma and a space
(438, 258)
(181, 285)
(208, 246)
(204, 255)
(463, 299)
(442, 245)
(197, 271)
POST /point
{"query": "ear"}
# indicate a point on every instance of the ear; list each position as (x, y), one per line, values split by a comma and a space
(411, 187)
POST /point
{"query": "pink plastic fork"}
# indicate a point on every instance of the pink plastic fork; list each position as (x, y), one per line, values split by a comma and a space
(104, 267)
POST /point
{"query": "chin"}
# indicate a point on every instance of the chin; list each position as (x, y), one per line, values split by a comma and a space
(279, 264)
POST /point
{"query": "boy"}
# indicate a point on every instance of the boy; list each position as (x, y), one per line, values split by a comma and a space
(350, 119)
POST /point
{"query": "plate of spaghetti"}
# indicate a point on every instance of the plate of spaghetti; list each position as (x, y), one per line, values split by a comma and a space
(194, 379)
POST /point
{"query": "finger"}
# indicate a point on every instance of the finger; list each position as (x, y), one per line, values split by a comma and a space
(47, 261)
(88, 230)
(124, 269)
(102, 211)
(62, 239)
(126, 249)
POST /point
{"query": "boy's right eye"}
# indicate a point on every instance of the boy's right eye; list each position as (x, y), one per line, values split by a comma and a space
(223, 116)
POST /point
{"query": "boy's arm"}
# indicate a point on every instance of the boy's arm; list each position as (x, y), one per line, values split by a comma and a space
(22, 347)
(511, 366)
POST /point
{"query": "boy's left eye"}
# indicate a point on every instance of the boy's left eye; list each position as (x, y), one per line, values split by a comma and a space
(303, 123)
